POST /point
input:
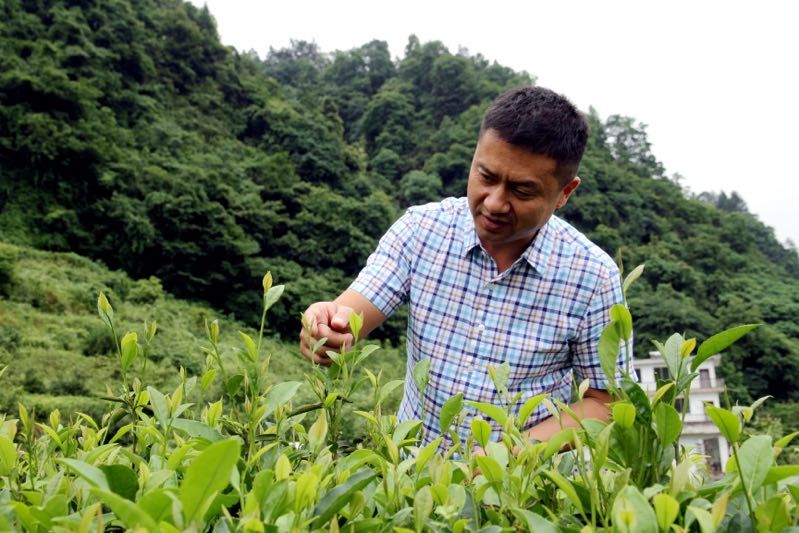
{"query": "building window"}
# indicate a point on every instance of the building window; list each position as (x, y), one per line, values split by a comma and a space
(704, 378)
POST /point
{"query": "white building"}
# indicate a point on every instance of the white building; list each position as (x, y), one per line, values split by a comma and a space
(699, 431)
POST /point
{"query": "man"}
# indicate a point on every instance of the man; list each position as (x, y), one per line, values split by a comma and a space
(494, 277)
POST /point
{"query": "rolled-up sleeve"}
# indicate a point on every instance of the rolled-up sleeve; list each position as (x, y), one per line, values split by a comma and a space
(385, 280)
(585, 358)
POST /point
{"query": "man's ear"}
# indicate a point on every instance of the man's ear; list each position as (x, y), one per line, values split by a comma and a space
(567, 191)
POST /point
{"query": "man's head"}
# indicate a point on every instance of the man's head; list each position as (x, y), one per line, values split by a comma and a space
(524, 167)
(542, 122)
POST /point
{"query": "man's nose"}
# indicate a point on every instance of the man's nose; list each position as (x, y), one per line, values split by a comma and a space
(496, 200)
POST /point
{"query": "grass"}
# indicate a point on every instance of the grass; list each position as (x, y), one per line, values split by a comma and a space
(60, 355)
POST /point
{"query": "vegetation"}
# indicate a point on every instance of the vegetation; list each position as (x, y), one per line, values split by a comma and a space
(131, 136)
(242, 459)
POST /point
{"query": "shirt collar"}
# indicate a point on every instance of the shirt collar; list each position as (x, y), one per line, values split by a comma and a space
(536, 254)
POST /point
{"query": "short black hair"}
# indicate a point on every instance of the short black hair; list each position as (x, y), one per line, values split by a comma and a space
(543, 122)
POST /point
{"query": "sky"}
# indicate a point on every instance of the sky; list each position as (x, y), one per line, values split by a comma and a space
(716, 83)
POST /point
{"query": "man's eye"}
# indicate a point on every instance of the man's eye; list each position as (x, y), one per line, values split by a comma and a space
(524, 192)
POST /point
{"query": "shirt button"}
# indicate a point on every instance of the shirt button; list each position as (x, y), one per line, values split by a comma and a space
(481, 327)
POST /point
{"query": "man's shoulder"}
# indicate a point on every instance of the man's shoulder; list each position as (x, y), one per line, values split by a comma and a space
(448, 208)
(572, 245)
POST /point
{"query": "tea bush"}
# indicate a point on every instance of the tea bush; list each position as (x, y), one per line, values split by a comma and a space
(227, 450)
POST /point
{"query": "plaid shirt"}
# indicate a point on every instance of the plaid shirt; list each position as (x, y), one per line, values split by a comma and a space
(543, 315)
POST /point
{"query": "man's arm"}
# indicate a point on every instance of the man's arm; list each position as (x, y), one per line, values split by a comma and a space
(593, 405)
(331, 320)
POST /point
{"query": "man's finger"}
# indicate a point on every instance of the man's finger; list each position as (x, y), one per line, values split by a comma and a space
(341, 320)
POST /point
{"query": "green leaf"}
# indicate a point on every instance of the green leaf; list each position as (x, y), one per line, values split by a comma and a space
(666, 510)
(726, 421)
(130, 349)
(157, 503)
(632, 277)
(528, 408)
(127, 511)
(8, 456)
(356, 323)
(786, 440)
(608, 348)
(624, 320)
(405, 428)
(318, 432)
(490, 468)
(158, 403)
(280, 394)
(421, 374)
(773, 514)
(534, 522)
(494, 411)
(122, 480)
(426, 453)
(778, 473)
(703, 517)
(195, 428)
(755, 459)
(720, 342)
(336, 498)
(252, 351)
(273, 295)
(624, 414)
(208, 474)
(499, 375)
(632, 513)
(90, 473)
(388, 388)
(449, 411)
(667, 423)
(566, 486)
(422, 507)
(481, 431)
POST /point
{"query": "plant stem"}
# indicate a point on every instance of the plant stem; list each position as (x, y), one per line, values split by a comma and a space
(749, 503)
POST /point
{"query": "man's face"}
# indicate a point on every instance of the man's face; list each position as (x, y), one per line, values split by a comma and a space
(512, 193)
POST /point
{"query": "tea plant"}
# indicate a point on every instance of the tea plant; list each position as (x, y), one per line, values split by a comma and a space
(228, 451)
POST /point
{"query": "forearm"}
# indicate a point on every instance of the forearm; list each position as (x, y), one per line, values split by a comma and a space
(589, 407)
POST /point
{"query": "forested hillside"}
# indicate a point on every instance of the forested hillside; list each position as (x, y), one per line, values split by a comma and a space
(129, 134)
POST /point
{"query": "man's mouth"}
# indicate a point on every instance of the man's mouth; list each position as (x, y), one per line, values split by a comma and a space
(494, 224)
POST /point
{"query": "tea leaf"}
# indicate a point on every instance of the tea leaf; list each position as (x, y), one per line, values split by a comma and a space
(90, 473)
(127, 511)
(566, 486)
(318, 432)
(336, 498)
(773, 514)
(667, 423)
(608, 348)
(481, 431)
(755, 457)
(426, 453)
(528, 408)
(422, 507)
(490, 468)
(621, 315)
(122, 480)
(624, 414)
(130, 349)
(631, 278)
(632, 513)
(499, 375)
(786, 440)
(449, 411)
(494, 411)
(726, 421)
(208, 474)
(720, 342)
(273, 295)
(778, 473)
(703, 517)
(421, 374)
(661, 391)
(8, 456)
(534, 522)
(666, 510)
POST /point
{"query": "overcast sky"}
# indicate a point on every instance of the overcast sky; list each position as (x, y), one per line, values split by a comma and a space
(716, 82)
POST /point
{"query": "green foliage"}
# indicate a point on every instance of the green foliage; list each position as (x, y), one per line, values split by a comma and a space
(236, 451)
(131, 135)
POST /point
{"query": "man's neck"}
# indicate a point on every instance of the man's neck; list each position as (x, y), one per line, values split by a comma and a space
(505, 254)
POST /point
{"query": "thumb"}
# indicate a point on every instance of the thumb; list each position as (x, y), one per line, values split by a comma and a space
(341, 320)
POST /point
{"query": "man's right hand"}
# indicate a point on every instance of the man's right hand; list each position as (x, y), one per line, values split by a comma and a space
(330, 320)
